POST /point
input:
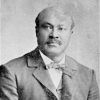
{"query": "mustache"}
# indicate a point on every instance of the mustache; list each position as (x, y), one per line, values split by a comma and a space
(49, 41)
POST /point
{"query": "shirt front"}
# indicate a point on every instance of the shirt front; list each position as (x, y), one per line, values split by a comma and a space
(54, 73)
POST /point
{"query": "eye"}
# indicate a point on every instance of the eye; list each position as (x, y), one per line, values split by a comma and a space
(46, 26)
(61, 28)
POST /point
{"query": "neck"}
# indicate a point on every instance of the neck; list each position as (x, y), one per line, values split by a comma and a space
(56, 58)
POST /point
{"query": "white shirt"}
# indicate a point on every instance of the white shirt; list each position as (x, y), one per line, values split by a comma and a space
(54, 73)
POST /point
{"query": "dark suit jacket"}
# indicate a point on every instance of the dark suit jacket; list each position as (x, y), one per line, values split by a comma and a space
(26, 78)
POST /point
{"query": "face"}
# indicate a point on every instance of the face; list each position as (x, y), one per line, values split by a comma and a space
(53, 33)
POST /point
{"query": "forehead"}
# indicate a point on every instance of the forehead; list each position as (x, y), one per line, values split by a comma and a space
(54, 16)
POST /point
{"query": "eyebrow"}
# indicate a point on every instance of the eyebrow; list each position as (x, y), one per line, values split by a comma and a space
(61, 25)
(47, 23)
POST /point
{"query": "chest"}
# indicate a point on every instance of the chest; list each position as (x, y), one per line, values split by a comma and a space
(31, 87)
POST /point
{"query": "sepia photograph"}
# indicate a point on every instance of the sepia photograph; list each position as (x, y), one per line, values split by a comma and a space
(49, 50)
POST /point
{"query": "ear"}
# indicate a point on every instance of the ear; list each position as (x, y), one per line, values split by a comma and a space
(37, 30)
(71, 31)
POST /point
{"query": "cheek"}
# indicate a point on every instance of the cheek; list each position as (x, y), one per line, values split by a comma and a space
(65, 37)
(42, 36)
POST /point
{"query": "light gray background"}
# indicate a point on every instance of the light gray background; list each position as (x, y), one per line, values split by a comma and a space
(18, 32)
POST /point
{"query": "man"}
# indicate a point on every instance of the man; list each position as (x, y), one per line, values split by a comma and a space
(47, 73)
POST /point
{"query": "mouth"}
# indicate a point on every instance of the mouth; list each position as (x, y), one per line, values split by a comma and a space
(51, 42)
(54, 42)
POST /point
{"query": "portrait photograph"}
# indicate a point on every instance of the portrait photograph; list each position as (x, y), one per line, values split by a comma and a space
(50, 50)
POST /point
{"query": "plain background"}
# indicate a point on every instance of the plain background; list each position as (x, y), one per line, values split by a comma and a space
(17, 35)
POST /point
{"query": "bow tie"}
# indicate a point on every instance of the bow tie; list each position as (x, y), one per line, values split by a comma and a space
(55, 65)
(62, 67)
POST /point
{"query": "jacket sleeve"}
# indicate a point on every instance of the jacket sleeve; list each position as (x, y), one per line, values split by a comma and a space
(94, 90)
(8, 88)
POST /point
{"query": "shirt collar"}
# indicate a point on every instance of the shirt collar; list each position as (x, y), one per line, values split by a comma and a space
(48, 60)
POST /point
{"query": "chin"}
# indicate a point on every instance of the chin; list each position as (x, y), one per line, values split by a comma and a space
(53, 52)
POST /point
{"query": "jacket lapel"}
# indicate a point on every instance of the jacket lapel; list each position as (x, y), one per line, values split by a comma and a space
(43, 76)
(68, 79)
(34, 60)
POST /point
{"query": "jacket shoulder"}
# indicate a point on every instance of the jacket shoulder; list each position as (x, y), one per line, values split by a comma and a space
(83, 70)
(16, 61)
(85, 73)
(15, 64)
(20, 64)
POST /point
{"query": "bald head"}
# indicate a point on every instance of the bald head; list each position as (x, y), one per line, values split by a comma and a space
(56, 12)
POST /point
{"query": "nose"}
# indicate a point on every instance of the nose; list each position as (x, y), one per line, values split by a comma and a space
(54, 33)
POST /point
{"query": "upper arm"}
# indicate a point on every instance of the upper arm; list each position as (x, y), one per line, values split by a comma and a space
(8, 88)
